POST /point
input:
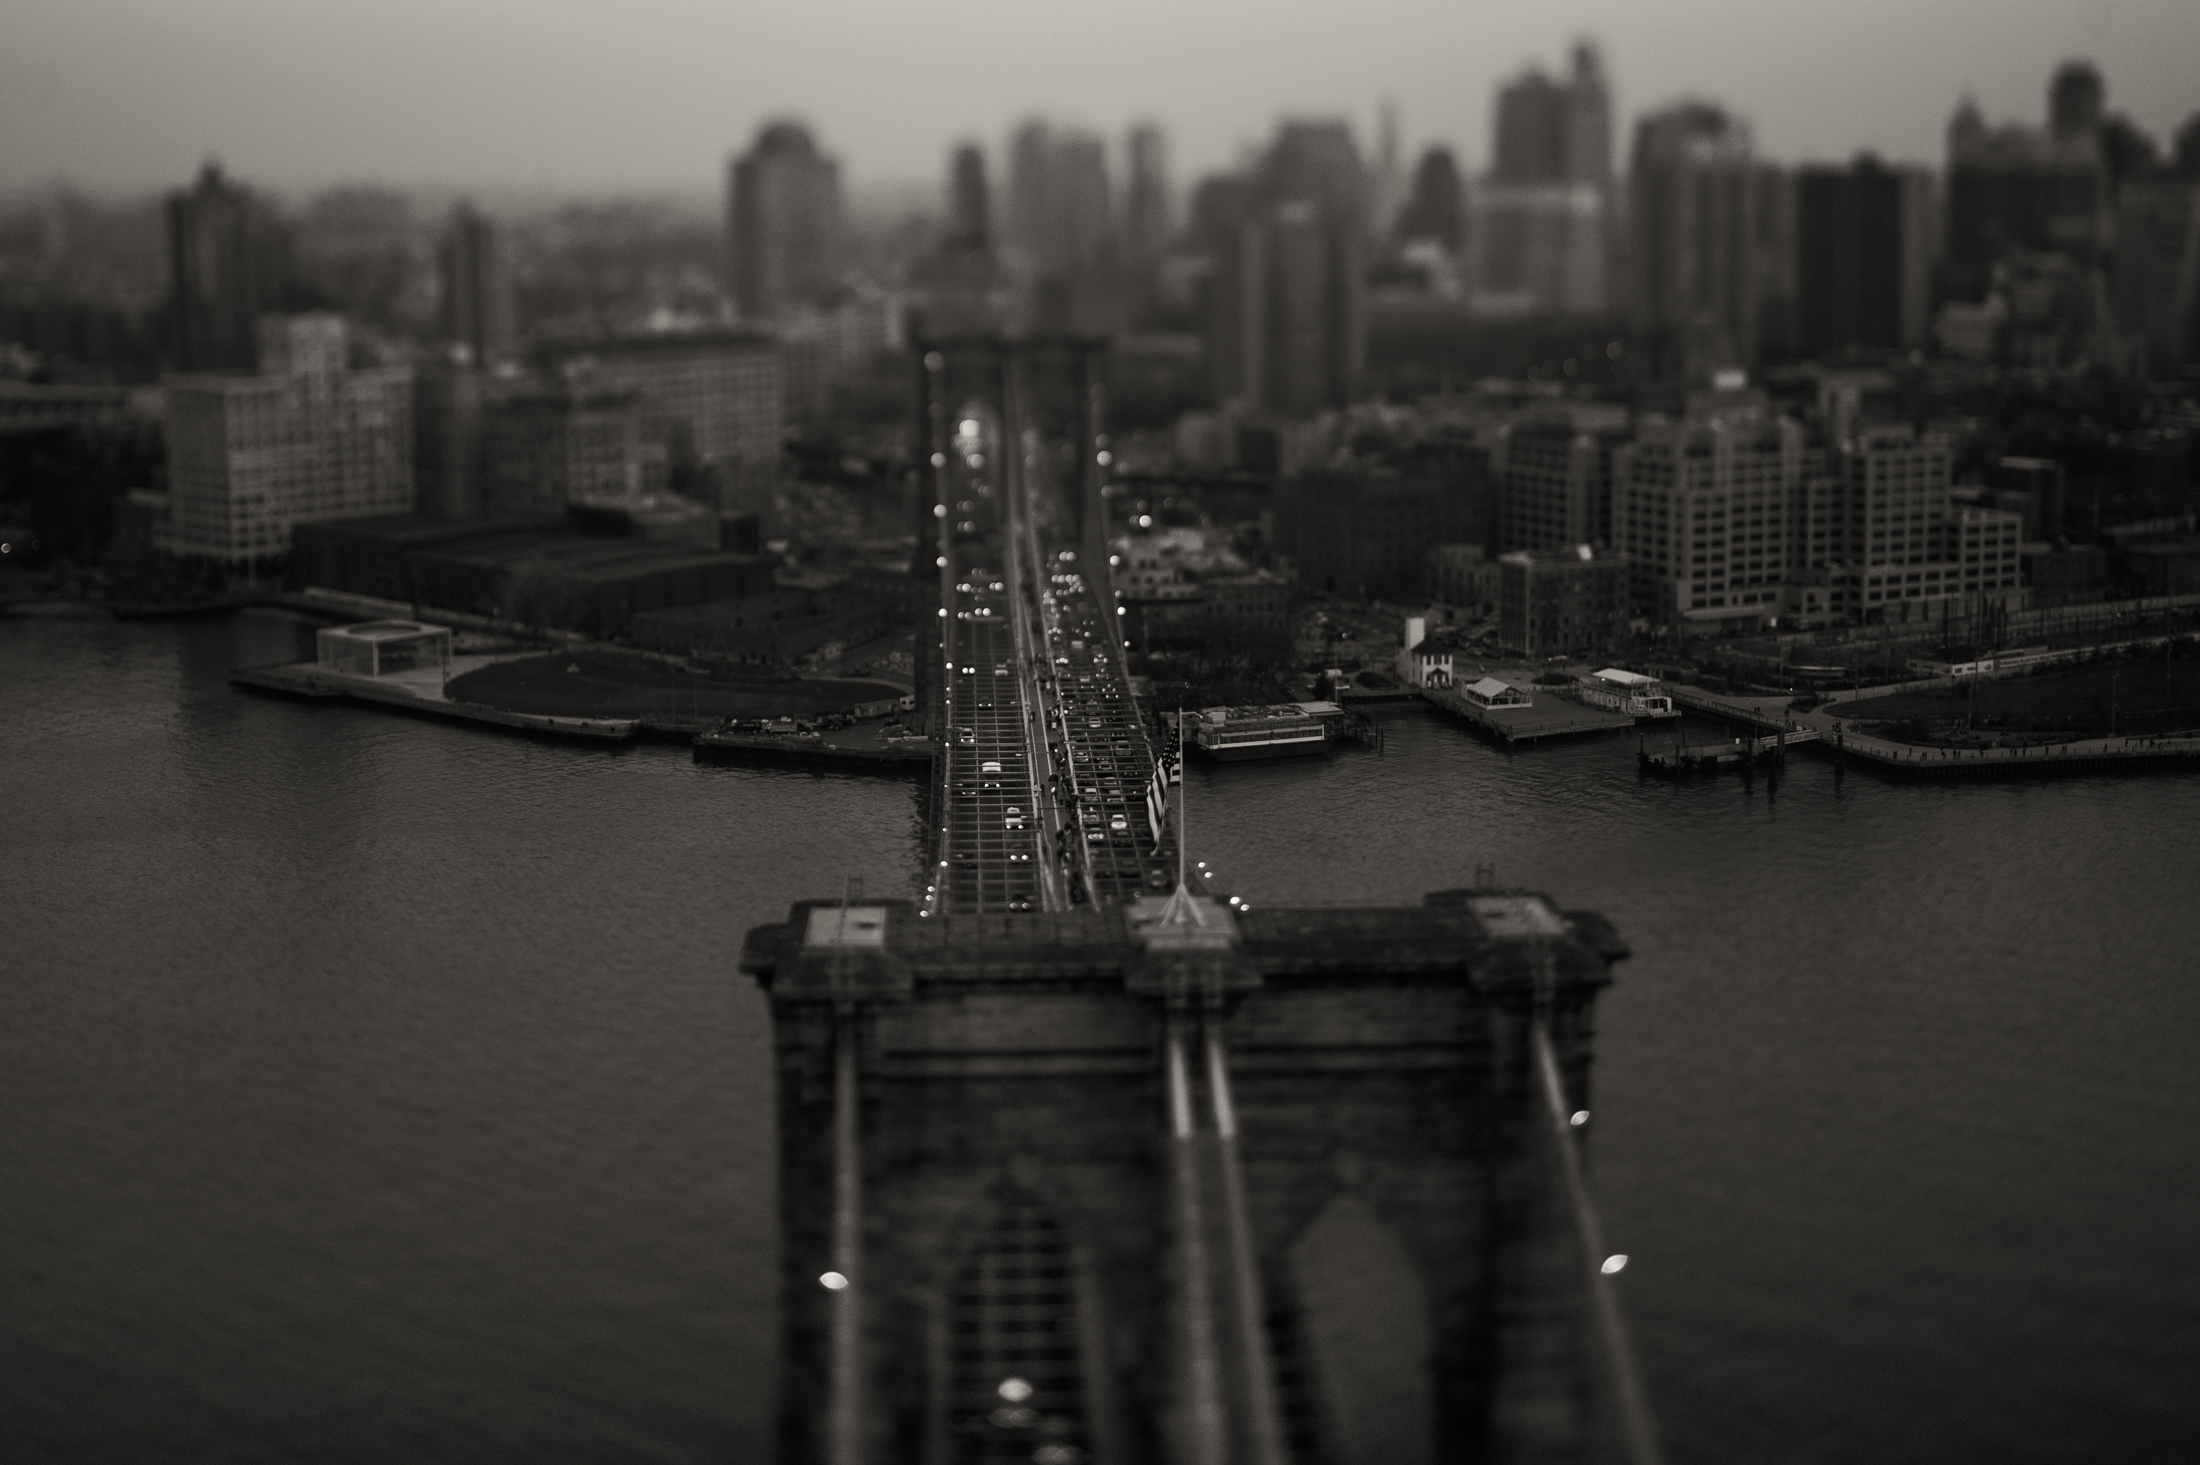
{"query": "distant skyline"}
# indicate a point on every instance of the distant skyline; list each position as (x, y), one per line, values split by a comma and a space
(655, 95)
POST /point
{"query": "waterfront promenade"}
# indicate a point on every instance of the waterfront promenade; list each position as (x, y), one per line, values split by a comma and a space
(427, 690)
(1844, 741)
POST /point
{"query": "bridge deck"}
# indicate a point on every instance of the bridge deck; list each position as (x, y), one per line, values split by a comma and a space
(1042, 793)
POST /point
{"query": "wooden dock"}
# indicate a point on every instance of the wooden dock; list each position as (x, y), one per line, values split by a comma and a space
(905, 755)
(1742, 753)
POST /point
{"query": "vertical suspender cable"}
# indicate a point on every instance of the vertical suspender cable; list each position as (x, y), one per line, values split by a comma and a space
(1634, 1409)
(845, 1438)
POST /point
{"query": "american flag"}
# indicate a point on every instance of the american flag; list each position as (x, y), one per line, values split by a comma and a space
(1157, 800)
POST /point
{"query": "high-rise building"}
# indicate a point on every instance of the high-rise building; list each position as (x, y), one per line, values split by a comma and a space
(1901, 539)
(228, 262)
(1059, 212)
(1734, 517)
(2155, 279)
(1704, 507)
(1693, 240)
(1436, 208)
(1387, 185)
(2184, 158)
(783, 223)
(307, 439)
(2014, 188)
(476, 287)
(1863, 257)
(1554, 476)
(1538, 226)
(1555, 131)
(449, 395)
(2074, 99)
(1287, 318)
(1536, 249)
(969, 203)
(1146, 215)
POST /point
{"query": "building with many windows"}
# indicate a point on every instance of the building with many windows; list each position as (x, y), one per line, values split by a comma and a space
(228, 260)
(1900, 539)
(545, 450)
(1863, 257)
(1693, 251)
(474, 287)
(713, 402)
(1554, 475)
(783, 223)
(1558, 602)
(305, 440)
(1705, 510)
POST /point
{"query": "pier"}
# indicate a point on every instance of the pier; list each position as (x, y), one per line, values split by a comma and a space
(1551, 717)
(1743, 753)
(1826, 728)
(424, 692)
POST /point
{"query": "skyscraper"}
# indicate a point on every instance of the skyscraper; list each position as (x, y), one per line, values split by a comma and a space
(1287, 318)
(783, 222)
(969, 203)
(1436, 207)
(2074, 99)
(1551, 131)
(1146, 219)
(476, 293)
(1538, 226)
(2155, 280)
(1692, 228)
(228, 260)
(1862, 257)
(1058, 205)
(2016, 188)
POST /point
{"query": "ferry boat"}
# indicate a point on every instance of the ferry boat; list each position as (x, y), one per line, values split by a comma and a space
(1643, 698)
(1231, 734)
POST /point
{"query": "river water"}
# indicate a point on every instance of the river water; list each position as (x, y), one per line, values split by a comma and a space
(373, 1089)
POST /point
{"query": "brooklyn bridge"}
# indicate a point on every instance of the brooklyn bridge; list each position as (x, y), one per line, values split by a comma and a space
(1085, 1160)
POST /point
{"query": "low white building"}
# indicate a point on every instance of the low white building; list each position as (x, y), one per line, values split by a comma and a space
(1424, 660)
(377, 648)
(1496, 695)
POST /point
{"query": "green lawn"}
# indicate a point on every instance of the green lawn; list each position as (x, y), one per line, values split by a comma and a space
(617, 684)
(2147, 696)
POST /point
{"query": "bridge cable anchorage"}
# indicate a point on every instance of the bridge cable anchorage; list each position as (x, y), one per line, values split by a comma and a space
(1204, 1416)
(1263, 1420)
(1638, 1430)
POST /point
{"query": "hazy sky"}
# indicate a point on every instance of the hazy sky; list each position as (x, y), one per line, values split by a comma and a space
(655, 93)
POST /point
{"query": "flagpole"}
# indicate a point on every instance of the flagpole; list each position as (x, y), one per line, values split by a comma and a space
(1183, 798)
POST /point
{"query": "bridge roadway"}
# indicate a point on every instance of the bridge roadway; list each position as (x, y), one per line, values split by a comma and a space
(1040, 794)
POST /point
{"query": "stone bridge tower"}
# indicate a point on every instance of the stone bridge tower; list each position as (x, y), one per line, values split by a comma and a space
(1267, 1187)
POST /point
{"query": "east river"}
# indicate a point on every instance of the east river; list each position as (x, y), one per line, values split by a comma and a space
(378, 1090)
